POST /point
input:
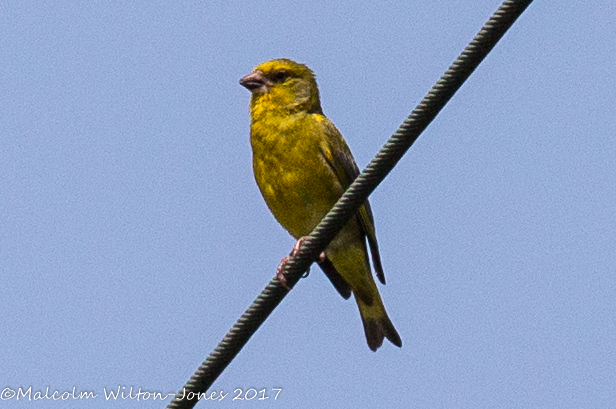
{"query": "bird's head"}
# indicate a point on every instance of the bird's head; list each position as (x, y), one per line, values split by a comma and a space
(283, 85)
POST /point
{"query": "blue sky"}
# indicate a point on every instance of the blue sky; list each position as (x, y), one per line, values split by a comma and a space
(132, 234)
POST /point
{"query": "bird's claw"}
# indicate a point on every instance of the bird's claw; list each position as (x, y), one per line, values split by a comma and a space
(294, 252)
(279, 275)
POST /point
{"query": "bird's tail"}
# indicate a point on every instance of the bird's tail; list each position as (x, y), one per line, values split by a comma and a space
(377, 324)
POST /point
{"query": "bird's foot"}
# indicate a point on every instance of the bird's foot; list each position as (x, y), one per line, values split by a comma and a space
(294, 252)
(279, 275)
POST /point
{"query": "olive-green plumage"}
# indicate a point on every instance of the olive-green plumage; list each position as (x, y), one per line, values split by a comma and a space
(302, 166)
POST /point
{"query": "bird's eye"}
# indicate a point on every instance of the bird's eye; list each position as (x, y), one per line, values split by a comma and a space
(280, 76)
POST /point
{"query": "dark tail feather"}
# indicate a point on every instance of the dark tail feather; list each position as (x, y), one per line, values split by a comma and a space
(377, 324)
(377, 330)
(336, 279)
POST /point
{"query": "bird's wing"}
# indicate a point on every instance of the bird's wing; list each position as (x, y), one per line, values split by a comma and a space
(343, 288)
(338, 157)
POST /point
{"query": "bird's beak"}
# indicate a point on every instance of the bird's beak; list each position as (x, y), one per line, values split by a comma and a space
(256, 83)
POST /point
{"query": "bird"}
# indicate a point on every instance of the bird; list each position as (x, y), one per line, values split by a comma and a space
(302, 166)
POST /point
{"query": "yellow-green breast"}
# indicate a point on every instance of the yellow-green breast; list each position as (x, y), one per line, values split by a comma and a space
(296, 183)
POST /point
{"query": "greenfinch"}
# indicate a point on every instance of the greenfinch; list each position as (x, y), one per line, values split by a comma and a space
(302, 166)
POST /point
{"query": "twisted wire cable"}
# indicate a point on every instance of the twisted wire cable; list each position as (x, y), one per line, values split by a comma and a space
(349, 203)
